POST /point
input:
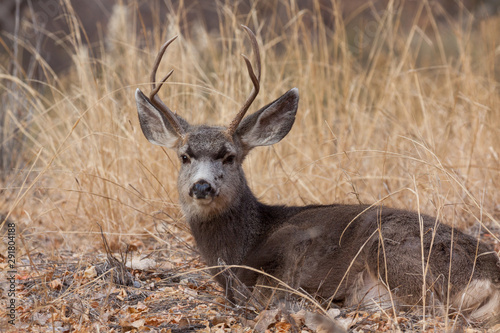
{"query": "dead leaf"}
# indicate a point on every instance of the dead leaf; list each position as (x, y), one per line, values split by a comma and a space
(333, 313)
(138, 323)
(122, 294)
(321, 323)
(220, 300)
(155, 321)
(141, 264)
(218, 320)
(55, 284)
(283, 327)
(90, 273)
(142, 307)
(41, 318)
(166, 266)
(183, 323)
(265, 319)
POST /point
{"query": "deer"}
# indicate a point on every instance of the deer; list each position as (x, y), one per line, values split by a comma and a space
(347, 254)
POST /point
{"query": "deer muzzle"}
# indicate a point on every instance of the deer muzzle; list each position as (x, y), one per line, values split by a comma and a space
(202, 190)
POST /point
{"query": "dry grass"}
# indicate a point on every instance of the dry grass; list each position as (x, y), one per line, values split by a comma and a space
(409, 118)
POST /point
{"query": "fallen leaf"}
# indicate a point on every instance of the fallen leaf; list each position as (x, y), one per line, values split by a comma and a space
(41, 318)
(155, 321)
(122, 294)
(90, 273)
(142, 307)
(138, 323)
(321, 323)
(220, 300)
(283, 327)
(141, 264)
(333, 313)
(55, 284)
(265, 319)
(183, 323)
(218, 320)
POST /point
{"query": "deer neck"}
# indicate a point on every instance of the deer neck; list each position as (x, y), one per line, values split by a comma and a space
(229, 234)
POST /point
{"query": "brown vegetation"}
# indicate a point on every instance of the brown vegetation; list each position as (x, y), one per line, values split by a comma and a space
(407, 115)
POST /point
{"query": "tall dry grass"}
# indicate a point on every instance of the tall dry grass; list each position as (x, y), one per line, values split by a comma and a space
(408, 118)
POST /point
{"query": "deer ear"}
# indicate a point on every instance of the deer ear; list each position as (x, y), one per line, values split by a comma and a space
(271, 123)
(155, 126)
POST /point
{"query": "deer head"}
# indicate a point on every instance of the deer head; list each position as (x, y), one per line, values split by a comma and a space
(211, 178)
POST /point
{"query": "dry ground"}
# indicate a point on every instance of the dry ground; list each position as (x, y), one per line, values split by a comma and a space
(404, 116)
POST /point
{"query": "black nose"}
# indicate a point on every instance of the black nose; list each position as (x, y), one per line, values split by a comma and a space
(201, 189)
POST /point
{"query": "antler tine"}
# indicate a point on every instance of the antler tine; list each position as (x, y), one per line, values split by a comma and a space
(159, 56)
(255, 80)
(153, 97)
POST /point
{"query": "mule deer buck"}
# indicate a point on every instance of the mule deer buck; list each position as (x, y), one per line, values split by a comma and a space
(349, 254)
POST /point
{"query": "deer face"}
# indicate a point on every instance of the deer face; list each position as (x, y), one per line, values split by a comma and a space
(211, 176)
(210, 173)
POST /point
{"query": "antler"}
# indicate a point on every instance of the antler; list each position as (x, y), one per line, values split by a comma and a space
(255, 80)
(153, 97)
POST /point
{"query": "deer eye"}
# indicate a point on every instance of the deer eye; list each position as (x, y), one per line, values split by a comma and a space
(185, 159)
(229, 159)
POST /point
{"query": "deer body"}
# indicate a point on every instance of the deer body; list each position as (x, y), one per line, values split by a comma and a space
(352, 254)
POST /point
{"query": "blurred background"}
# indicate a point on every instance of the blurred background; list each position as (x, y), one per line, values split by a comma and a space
(42, 25)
